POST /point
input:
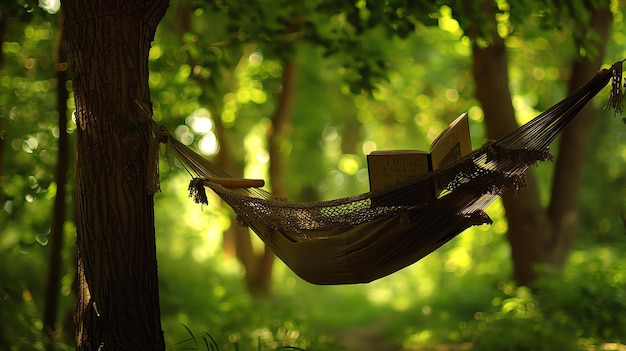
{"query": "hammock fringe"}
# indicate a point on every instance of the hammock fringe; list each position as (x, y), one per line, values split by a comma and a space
(616, 96)
(197, 192)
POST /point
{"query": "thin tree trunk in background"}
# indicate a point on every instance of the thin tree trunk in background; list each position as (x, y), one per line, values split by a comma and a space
(55, 247)
(236, 239)
(118, 299)
(4, 18)
(528, 225)
(527, 221)
(3, 27)
(259, 269)
(563, 208)
(215, 106)
(281, 124)
(537, 235)
(225, 161)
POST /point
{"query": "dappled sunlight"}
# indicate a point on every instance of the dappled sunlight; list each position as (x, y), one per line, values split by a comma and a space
(202, 125)
(350, 164)
(200, 233)
(200, 121)
(51, 6)
(368, 147)
(459, 261)
(447, 23)
(183, 134)
(205, 81)
(255, 147)
(476, 114)
(208, 144)
(524, 108)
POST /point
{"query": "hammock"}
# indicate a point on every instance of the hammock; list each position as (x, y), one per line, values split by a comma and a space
(351, 240)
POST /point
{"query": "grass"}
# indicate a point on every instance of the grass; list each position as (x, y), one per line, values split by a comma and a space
(427, 306)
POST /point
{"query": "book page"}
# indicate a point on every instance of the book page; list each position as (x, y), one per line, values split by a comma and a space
(452, 144)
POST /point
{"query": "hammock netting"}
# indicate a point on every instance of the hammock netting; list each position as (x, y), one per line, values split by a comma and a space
(364, 237)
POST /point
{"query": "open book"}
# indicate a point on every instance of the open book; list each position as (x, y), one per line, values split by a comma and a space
(390, 167)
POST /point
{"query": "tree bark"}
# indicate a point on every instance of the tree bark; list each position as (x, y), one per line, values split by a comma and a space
(537, 235)
(55, 247)
(281, 124)
(118, 300)
(259, 267)
(573, 145)
(225, 161)
(527, 221)
(3, 27)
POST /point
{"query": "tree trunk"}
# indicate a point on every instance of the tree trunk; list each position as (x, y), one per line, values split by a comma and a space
(537, 235)
(225, 161)
(118, 300)
(55, 248)
(528, 222)
(259, 266)
(213, 99)
(563, 208)
(281, 124)
(3, 27)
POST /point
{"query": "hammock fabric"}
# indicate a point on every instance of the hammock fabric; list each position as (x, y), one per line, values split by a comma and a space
(352, 240)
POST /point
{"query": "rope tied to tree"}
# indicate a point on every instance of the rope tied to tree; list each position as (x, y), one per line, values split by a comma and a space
(159, 134)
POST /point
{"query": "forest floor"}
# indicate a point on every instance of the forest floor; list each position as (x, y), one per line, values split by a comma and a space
(370, 337)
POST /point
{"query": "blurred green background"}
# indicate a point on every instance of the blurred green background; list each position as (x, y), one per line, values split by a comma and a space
(216, 79)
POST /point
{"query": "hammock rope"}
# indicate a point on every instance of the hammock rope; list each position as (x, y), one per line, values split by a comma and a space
(361, 238)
